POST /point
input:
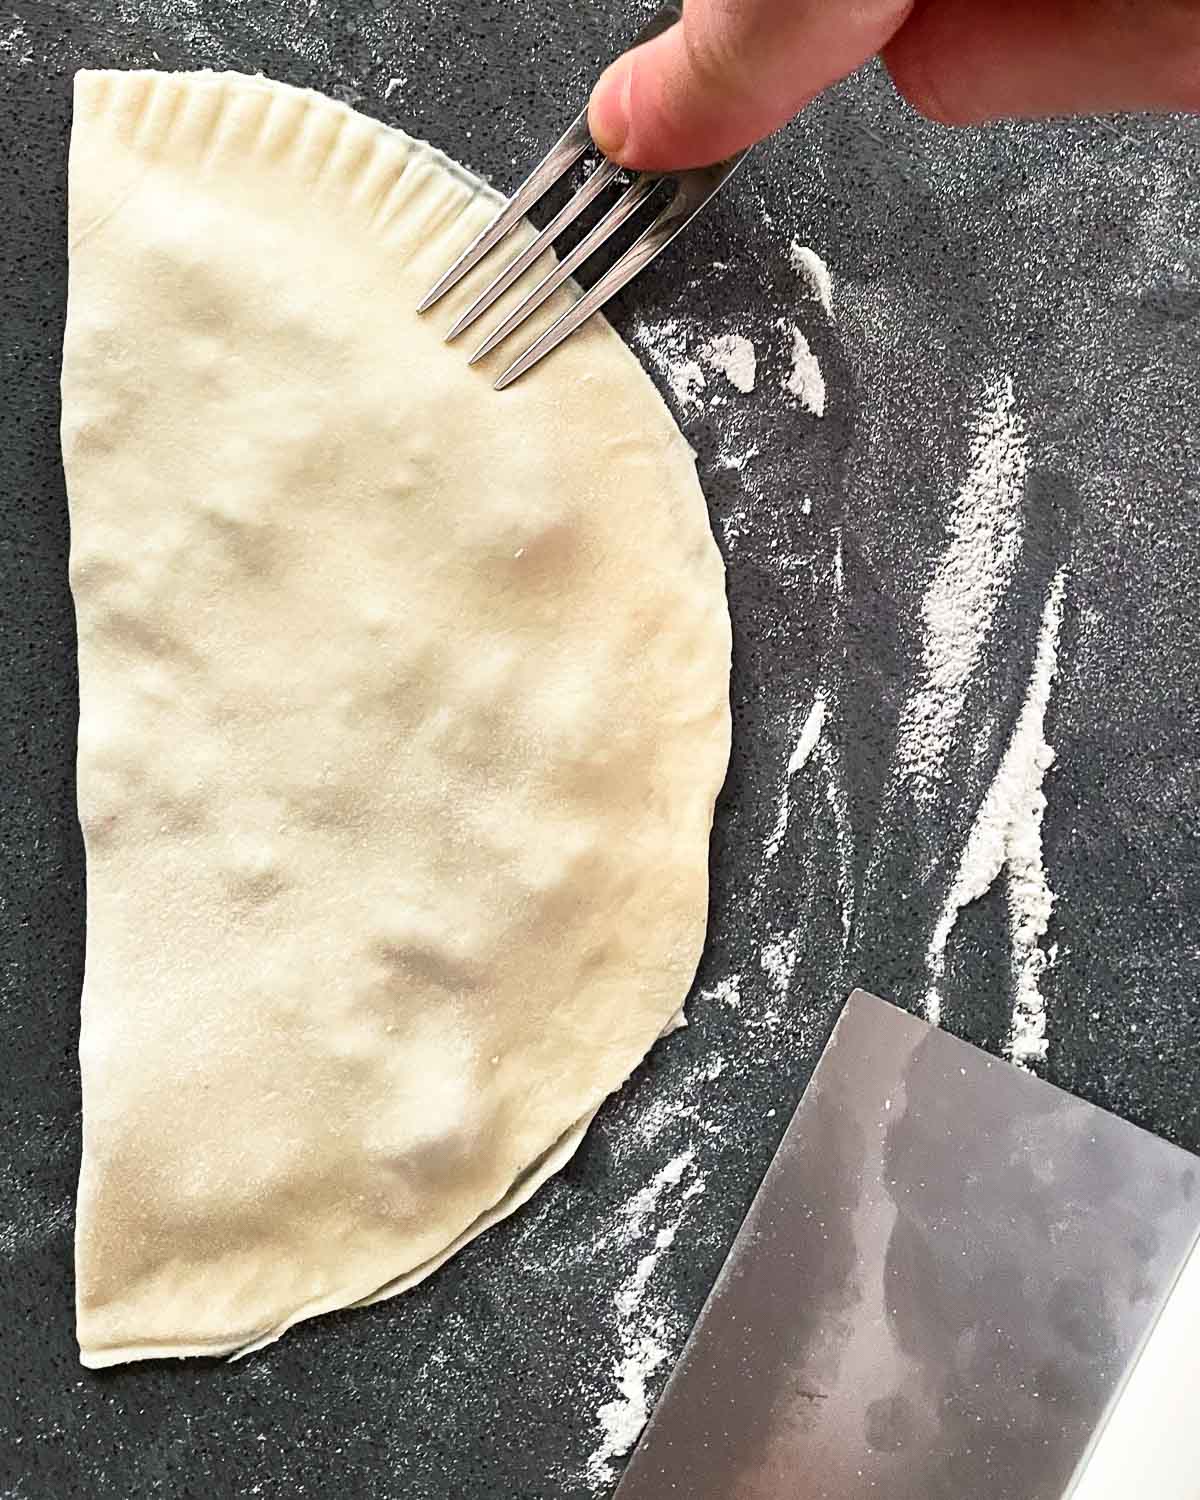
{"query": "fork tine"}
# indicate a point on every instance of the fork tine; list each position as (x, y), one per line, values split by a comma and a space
(694, 191)
(643, 250)
(560, 158)
(628, 203)
(591, 189)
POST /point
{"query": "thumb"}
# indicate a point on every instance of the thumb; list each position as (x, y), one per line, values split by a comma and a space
(729, 73)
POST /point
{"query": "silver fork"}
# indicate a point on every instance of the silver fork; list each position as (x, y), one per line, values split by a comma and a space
(693, 189)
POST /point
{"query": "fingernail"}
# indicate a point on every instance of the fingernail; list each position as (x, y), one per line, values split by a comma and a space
(608, 111)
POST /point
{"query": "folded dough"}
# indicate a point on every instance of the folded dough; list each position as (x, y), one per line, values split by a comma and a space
(404, 706)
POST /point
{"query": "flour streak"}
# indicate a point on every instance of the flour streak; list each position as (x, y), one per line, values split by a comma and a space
(983, 536)
(1007, 833)
(806, 743)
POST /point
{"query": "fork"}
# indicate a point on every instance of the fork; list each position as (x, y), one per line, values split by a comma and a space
(693, 189)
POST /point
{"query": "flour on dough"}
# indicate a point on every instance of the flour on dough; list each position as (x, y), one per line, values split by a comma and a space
(403, 708)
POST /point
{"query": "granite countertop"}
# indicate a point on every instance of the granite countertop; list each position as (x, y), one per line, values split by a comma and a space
(959, 511)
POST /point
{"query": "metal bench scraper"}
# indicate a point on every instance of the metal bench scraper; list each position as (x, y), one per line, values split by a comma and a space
(948, 1278)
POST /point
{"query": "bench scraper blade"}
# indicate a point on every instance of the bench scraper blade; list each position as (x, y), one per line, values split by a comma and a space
(939, 1291)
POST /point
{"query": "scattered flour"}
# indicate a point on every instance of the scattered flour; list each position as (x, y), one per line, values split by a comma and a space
(623, 1419)
(1008, 832)
(778, 962)
(683, 1106)
(727, 992)
(810, 733)
(630, 1296)
(737, 461)
(665, 345)
(393, 84)
(15, 43)
(644, 1337)
(733, 355)
(812, 742)
(645, 1200)
(733, 526)
(806, 381)
(809, 264)
(835, 795)
(35, 1225)
(966, 588)
(291, 26)
(687, 381)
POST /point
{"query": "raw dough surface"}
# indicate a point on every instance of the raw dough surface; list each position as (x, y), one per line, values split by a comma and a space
(404, 706)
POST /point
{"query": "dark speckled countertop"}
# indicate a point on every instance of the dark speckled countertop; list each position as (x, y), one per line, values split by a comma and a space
(1005, 481)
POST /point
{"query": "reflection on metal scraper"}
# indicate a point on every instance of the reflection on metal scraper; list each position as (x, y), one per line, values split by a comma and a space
(945, 1279)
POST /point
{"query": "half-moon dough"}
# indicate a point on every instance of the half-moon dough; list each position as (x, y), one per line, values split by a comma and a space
(404, 706)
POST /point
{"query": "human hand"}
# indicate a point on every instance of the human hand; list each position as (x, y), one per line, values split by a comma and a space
(734, 70)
